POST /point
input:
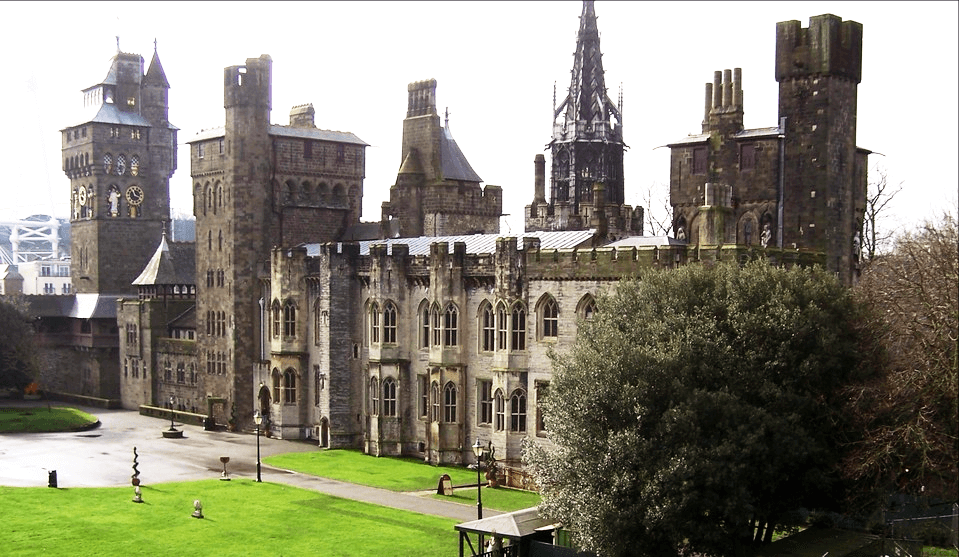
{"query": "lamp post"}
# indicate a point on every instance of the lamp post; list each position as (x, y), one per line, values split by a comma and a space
(172, 401)
(257, 419)
(478, 452)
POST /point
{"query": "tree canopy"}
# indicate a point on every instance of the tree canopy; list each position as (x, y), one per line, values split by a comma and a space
(17, 355)
(698, 405)
(908, 414)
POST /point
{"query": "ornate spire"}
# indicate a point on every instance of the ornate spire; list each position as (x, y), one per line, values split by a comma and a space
(587, 102)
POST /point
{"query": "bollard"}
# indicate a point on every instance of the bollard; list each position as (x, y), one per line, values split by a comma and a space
(52, 478)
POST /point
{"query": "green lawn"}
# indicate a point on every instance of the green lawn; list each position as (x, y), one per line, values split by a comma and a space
(43, 419)
(400, 474)
(242, 517)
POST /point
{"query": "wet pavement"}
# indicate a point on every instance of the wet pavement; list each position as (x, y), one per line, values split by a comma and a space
(103, 457)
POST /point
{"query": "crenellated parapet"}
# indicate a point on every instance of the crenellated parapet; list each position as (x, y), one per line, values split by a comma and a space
(829, 46)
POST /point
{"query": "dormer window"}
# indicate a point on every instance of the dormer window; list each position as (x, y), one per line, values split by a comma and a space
(131, 101)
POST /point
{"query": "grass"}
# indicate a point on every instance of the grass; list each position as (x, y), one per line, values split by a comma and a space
(395, 474)
(242, 517)
(43, 420)
(500, 498)
(929, 551)
(400, 474)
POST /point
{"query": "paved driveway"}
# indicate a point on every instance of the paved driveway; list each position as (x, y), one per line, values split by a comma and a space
(103, 456)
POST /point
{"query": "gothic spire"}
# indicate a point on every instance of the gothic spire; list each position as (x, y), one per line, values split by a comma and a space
(587, 102)
(155, 74)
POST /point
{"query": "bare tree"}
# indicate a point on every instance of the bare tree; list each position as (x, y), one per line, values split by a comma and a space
(878, 197)
(907, 416)
(659, 213)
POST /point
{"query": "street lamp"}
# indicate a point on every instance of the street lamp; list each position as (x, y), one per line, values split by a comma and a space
(257, 419)
(172, 400)
(478, 452)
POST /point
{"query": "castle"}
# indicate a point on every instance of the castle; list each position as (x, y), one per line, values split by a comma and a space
(427, 330)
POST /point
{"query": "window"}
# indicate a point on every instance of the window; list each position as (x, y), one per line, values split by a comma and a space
(517, 411)
(435, 398)
(135, 134)
(221, 145)
(318, 383)
(374, 396)
(449, 403)
(131, 333)
(449, 326)
(542, 391)
(307, 149)
(200, 150)
(389, 397)
(276, 324)
(389, 324)
(519, 328)
(499, 406)
(425, 327)
(289, 386)
(501, 327)
(550, 319)
(167, 371)
(435, 326)
(421, 384)
(589, 309)
(374, 323)
(485, 397)
(276, 385)
(180, 373)
(699, 160)
(289, 320)
(488, 327)
(747, 157)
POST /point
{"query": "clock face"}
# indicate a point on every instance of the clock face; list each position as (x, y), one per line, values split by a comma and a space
(82, 195)
(121, 165)
(134, 195)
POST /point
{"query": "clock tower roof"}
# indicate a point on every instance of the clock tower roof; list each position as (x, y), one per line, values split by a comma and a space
(156, 75)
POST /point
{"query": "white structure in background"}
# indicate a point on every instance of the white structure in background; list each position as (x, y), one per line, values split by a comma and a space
(34, 255)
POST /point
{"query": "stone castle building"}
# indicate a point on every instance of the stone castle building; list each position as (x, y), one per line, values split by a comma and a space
(419, 334)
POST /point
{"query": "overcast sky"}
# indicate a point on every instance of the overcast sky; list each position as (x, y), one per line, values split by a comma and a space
(495, 64)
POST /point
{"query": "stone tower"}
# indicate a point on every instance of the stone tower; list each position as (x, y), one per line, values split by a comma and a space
(818, 69)
(436, 193)
(119, 160)
(587, 148)
(257, 186)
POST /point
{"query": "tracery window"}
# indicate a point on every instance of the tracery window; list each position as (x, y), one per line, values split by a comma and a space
(374, 316)
(389, 397)
(374, 396)
(499, 406)
(450, 326)
(289, 386)
(518, 328)
(449, 403)
(550, 316)
(435, 402)
(488, 327)
(389, 323)
(517, 411)
(289, 319)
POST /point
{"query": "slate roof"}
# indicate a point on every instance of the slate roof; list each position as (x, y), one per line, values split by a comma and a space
(170, 264)
(77, 306)
(475, 243)
(108, 113)
(289, 131)
(455, 165)
(640, 241)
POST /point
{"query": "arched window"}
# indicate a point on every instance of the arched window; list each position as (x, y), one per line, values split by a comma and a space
(449, 326)
(317, 323)
(424, 325)
(449, 403)
(389, 323)
(519, 328)
(501, 326)
(374, 396)
(488, 328)
(435, 327)
(389, 397)
(499, 406)
(549, 314)
(289, 386)
(435, 399)
(276, 324)
(374, 315)
(289, 320)
(276, 385)
(517, 411)
(587, 308)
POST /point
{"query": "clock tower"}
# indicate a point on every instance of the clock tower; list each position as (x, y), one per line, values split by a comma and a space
(119, 160)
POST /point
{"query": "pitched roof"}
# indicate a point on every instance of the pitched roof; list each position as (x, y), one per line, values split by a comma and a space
(156, 75)
(512, 526)
(455, 165)
(289, 131)
(170, 266)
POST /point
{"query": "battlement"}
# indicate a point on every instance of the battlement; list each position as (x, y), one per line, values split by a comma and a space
(829, 46)
(422, 98)
(250, 84)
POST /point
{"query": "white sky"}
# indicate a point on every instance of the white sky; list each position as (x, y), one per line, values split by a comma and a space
(495, 64)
